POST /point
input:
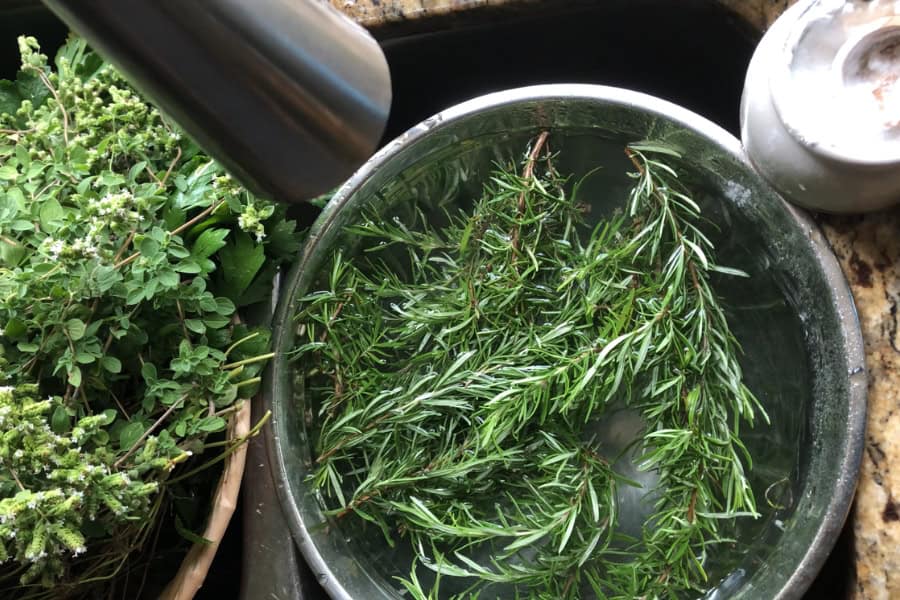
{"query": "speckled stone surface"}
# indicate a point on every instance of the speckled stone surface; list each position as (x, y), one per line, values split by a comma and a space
(868, 248)
(376, 13)
(869, 251)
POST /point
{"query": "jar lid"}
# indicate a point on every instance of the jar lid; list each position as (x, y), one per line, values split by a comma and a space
(838, 89)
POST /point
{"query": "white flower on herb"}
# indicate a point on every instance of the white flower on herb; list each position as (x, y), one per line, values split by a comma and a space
(53, 247)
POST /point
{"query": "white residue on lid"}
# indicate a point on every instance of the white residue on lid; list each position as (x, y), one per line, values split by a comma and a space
(840, 92)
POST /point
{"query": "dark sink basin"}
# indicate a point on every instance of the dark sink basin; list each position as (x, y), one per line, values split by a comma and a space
(691, 52)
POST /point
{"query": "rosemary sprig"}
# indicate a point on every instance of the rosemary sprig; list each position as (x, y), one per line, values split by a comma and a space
(455, 368)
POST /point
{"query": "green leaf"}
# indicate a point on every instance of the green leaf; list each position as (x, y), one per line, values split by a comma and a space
(211, 424)
(51, 215)
(208, 303)
(110, 179)
(16, 199)
(136, 171)
(216, 322)
(229, 395)
(74, 376)
(29, 347)
(197, 187)
(148, 247)
(111, 364)
(109, 415)
(15, 328)
(241, 260)
(261, 288)
(84, 185)
(728, 271)
(225, 307)
(30, 87)
(130, 434)
(23, 157)
(75, 329)
(656, 147)
(250, 342)
(134, 296)
(85, 358)
(209, 242)
(189, 267)
(10, 100)
(8, 173)
(11, 255)
(174, 217)
(73, 51)
(169, 279)
(59, 422)
(105, 277)
(90, 64)
(176, 250)
(282, 239)
(195, 325)
(148, 372)
(21, 225)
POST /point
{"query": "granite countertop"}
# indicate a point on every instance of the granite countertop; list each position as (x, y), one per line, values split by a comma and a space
(868, 248)
(380, 13)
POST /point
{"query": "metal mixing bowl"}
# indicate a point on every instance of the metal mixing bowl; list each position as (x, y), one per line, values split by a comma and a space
(794, 317)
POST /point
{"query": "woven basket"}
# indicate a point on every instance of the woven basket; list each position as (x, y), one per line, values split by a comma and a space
(196, 564)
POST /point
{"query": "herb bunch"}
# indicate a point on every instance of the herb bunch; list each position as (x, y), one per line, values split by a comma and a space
(455, 370)
(125, 253)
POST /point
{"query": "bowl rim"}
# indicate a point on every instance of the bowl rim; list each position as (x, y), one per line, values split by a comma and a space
(838, 505)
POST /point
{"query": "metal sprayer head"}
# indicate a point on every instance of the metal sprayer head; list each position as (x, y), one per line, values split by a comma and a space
(290, 95)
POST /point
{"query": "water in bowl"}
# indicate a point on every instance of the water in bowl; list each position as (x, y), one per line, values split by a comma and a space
(760, 313)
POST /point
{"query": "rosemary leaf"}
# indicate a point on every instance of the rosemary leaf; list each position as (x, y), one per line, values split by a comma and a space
(453, 393)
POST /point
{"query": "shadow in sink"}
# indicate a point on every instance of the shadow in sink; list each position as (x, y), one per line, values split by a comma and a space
(693, 53)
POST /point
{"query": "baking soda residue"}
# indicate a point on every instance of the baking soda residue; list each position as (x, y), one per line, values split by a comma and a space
(840, 92)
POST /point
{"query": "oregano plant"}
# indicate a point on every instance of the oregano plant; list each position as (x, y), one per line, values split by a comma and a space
(125, 254)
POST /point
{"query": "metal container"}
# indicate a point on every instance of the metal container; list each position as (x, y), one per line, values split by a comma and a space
(794, 317)
(290, 96)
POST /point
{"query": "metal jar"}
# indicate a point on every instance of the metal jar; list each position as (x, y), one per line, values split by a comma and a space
(794, 317)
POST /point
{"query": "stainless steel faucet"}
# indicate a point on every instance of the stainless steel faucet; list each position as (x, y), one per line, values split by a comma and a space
(290, 95)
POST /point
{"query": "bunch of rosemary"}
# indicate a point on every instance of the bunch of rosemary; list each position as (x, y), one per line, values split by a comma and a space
(455, 370)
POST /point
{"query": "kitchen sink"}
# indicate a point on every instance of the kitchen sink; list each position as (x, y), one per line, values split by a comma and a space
(691, 52)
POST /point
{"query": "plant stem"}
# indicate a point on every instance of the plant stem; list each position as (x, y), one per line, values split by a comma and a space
(150, 430)
(249, 361)
(232, 448)
(196, 219)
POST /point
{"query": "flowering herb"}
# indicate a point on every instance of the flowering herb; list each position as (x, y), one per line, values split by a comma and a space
(454, 370)
(124, 255)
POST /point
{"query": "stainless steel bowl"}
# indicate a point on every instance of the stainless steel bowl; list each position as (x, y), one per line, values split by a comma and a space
(794, 317)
